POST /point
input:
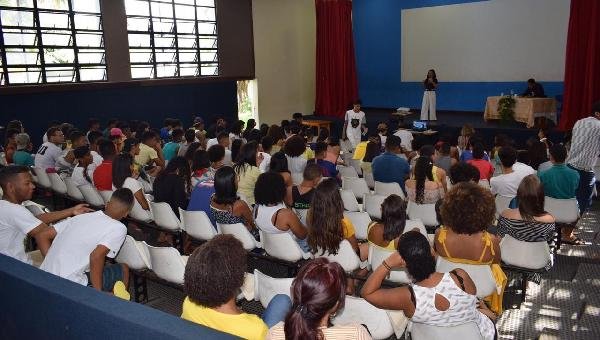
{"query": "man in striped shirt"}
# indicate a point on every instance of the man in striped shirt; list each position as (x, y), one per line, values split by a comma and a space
(585, 148)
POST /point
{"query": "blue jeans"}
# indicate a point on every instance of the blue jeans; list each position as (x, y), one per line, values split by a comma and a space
(277, 309)
(585, 190)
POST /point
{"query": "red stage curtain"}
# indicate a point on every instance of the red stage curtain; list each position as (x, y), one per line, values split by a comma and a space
(336, 83)
(582, 68)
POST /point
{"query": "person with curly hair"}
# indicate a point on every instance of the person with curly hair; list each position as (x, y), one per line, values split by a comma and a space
(434, 298)
(213, 277)
(294, 149)
(467, 211)
(463, 172)
(422, 189)
(318, 293)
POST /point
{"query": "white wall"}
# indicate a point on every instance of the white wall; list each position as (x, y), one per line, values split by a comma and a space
(490, 41)
(284, 52)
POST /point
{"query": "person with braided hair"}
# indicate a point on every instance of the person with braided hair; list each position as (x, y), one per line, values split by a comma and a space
(422, 189)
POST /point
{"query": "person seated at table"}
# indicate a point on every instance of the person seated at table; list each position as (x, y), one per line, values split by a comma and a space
(534, 89)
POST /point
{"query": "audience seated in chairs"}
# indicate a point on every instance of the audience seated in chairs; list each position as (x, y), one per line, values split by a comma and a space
(173, 184)
(16, 222)
(486, 170)
(80, 174)
(151, 154)
(294, 149)
(373, 150)
(189, 137)
(22, 155)
(300, 196)
(318, 293)
(270, 213)
(200, 167)
(246, 168)
(171, 148)
(422, 189)
(386, 233)
(278, 164)
(434, 298)
(85, 241)
(103, 178)
(328, 168)
(48, 155)
(438, 174)
(463, 172)
(266, 146)
(442, 157)
(123, 177)
(213, 277)
(512, 173)
(467, 211)
(389, 167)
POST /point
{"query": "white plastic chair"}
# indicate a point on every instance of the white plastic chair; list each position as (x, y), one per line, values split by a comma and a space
(377, 255)
(360, 221)
(42, 178)
(347, 171)
(386, 189)
(424, 212)
(502, 203)
(197, 225)
(415, 223)
(346, 257)
(359, 311)
(164, 216)
(358, 186)
(372, 205)
(239, 231)
(283, 247)
(297, 178)
(368, 176)
(564, 210)
(481, 274)
(266, 287)
(134, 254)
(57, 184)
(91, 195)
(167, 263)
(355, 163)
(528, 255)
(72, 190)
(466, 331)
(484, 183)
(350, 202)
(106, 195)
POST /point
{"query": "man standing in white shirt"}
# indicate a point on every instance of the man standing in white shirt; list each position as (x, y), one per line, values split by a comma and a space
(82, 243)
(16, 222)
(48, 155)
(512, 173)
(355, 124)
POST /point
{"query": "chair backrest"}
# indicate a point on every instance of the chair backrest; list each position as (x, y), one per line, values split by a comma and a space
(350, 202)
(91, 195)
(355, 163)
(481, 274)
(529, 255)
(72, 189)
(360, 221)
(57, 184)
(466, 331)
(197, 224)
(424, 212)
(282, 246)
(387, 189)
(240, 232)
(164, 216)
(358, 186)
(42, 177)
(502, 203)
(359, 311)
(377, 255)
(266, 287)
(563, 210)
(167, 263)
(415, 223)
(106, 195)
(368, 176)
(297, 178)
(484, 183)
(345, 256)
(347, 171)
(134, 254)
(372, 205)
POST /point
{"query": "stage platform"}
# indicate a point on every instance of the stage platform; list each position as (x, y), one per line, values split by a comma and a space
(449, 124)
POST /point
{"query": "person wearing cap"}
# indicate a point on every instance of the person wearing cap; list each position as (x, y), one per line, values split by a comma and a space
(117, 137)
(23, 154)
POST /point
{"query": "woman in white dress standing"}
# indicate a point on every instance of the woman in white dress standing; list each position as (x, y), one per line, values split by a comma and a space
(428, 107)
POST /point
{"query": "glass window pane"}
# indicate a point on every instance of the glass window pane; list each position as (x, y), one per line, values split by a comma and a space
(164, 40)
(17, 18)
(136, 7)
(91, 56)
(138, 24)
(92, 73)
(205, 13)
(186, 41)
(89, 39)
(140, 56)
(53, 4)
(59, 55)
(19, 37)
(160, 9)
(91, 6)
(54, 20)
(185, 26)
(184, 12)
(166, 70)
(60, 74)
(162, 25)
(165, 56)
(209, 3)
(142, 71)
(16, 56)
(209, 70)
(25, 75)
(87, 22)
(208, 56)
(139, 40)
(16, 3)
(187, 56)
(57, 38)
(208, 42)
(207, 28)
(185, 2)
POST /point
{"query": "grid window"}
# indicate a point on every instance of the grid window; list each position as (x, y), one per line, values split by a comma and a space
(51, 41)
(172, 38)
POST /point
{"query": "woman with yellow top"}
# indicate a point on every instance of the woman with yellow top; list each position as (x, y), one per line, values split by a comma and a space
(438, 174)
(467, 211)
(247, 170)
(386, 233)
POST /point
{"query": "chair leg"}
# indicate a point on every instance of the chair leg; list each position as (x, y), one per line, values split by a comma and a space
(558, 238)
(140, 288)
(523, 286)
(178, 242)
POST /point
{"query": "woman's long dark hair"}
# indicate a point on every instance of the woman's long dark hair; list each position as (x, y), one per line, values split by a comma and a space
(423, 172)
(121, 169)
(324, 218)
(316, 290)
(538, 154)
(247, 157)
(189, 153)
(416, 252)
(225, 186)
(373, 150)
(179, 166)
(200, 160)
(236, 147)
(279, 162)
(393, 216)
(530, 195)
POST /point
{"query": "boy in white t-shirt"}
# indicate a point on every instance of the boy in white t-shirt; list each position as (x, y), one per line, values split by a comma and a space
(16, 222)
(81, 245)
(49, 154)
(355, 124)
